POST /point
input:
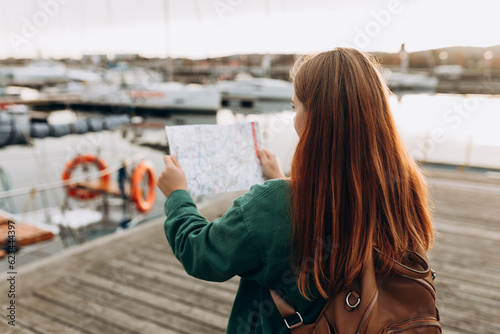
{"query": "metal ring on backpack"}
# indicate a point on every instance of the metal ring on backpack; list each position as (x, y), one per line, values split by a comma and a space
(349, 304)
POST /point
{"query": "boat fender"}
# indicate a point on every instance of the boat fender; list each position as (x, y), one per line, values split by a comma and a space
(39, 130)
(95, 124)
(59, 130)
(79, 127)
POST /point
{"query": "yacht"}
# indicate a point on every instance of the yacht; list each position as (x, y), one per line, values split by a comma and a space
(168, 96)
(255, 95)
(410, 81)
(42, 73)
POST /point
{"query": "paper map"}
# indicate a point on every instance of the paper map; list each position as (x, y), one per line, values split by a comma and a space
(217, 158)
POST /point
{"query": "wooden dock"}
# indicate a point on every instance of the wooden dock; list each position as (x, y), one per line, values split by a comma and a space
(131, 282)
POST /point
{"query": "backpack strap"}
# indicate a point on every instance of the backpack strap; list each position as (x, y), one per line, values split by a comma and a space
(292, 318)
(421, 270)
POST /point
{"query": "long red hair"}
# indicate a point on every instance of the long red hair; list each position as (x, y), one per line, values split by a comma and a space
(354, 185)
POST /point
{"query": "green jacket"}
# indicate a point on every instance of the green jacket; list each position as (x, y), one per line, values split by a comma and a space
(251, 240)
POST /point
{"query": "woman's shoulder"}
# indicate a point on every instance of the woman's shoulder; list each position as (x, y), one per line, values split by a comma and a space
(276, 189)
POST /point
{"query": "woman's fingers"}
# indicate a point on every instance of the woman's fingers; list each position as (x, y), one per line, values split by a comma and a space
(270, 164)
(168, 160)
(172, 177)
(175, 161)
(171, 162)
(263, 154)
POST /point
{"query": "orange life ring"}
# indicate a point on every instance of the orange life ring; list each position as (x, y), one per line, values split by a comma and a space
(81, 193)
(144, 204)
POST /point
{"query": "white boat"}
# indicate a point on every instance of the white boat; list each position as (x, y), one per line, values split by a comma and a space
(163, 95)
(409, 81)
(452, 72)
(177, 96)
(247, 94)
(123, 75)
(40, 73)
(35, 74)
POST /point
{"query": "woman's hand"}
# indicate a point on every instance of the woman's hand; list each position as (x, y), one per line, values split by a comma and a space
(270, 165)
(172, 177)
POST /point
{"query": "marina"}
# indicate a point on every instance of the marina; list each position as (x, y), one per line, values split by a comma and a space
(103, 265)
(467, 140)
(131, 283)
(90, 92)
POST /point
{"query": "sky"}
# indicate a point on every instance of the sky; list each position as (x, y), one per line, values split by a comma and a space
(208, 28)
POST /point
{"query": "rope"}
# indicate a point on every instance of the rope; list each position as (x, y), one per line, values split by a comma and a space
(5, 180)
(42, 169)
(21, 156)
(30, 200)
(58, 184)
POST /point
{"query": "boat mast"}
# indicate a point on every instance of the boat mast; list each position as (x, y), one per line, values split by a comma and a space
(268, 58)
(110, 25)
(169, 62)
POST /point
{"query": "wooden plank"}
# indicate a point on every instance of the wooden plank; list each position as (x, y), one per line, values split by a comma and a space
(107, 309)
(438, 173)
(472, 243)
(466, 245)
(188, 302)
(41, 324)
(448, 330)
(450, 277)
(465, 323)
(90, 284)
(472, 221)
(457, 297)
(463, 205)
(484, 218)
(157, 251)
(459, 255)
(183, 293)
(170, 269)
(19, 327)
(149, 277)
(465, 186)
(148, 318)
(469, 199)
(18, 330)
(470, 258)
(455, 330)
(169, 264)
(464, 274)
(479, 233)
(57, 310)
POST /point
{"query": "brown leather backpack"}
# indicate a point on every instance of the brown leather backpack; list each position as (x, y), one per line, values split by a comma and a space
(402, 302)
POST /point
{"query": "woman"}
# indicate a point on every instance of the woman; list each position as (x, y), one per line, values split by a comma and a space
(353, 186)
